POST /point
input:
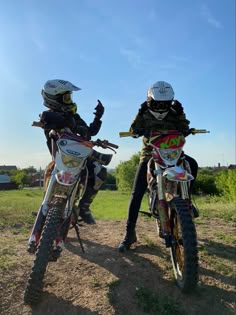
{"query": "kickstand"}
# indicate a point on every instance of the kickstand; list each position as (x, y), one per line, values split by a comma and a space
(78, 236)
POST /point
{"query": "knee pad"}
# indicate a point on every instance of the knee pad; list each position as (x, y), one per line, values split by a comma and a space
(100, 175)
(102, 158)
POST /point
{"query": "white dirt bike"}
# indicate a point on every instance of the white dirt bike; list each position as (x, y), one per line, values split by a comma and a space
(168, 181)
(54, 218)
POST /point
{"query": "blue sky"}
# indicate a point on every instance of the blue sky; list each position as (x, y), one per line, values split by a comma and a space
(114, 50)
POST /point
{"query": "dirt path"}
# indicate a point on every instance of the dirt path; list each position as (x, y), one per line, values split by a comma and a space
(103, 281)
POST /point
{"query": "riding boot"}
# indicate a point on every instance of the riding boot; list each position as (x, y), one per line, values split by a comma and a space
(84, 204)
(129, 239)
(195, 210)
(192, 167)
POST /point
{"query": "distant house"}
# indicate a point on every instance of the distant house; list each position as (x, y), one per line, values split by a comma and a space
(232, 167)
(5, 179)
(6, 183)
(37, 180)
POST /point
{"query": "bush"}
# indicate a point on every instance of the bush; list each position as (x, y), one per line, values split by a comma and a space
(125, 173)
(226, 184)
(205, 183)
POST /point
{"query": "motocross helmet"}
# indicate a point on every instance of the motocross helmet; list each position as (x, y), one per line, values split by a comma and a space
(57, 95)
(159, 99)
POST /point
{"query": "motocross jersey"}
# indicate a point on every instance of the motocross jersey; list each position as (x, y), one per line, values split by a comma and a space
(145, 120)
(59, 120)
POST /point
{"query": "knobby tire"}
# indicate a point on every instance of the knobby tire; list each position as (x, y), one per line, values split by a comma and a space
(184, 252)
(34, 285)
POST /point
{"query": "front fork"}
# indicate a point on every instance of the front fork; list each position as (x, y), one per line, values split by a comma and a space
(53, 188)
(163, 197)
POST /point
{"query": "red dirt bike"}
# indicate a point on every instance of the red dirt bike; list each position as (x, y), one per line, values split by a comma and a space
(57, 213)
(168, 179)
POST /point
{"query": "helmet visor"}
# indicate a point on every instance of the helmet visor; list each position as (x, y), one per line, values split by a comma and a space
(65, 98)
(160, 106)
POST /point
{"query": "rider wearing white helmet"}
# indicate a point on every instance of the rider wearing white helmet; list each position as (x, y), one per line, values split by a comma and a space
(159, 99)
(158, 113)
(57, 96)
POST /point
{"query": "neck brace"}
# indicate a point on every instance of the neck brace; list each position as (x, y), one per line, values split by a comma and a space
(159, 116)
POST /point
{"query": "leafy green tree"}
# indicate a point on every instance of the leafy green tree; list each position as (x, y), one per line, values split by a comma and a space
(205, 183)
(111, 179)
(20, 177)
(110, 182)
(30, 170)
(125, 173)
(226, 184)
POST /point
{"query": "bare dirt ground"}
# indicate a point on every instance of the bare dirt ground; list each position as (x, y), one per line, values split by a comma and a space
(103, 281)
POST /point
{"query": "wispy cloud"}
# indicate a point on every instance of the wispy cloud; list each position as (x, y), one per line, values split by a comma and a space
(207, 15)
(168, 63)
(133, 58)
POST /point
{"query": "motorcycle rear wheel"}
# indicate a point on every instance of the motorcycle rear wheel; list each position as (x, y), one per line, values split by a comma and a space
(34, 285)
(184, 252)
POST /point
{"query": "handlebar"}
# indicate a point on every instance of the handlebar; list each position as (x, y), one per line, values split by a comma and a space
(100, 143)
(105, 144)
(192, 131)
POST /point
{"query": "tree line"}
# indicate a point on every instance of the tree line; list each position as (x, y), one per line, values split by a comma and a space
(210, 181)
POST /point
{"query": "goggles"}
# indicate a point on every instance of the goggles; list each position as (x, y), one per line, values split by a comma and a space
(66, 98)
(63, 98)
(160, 106)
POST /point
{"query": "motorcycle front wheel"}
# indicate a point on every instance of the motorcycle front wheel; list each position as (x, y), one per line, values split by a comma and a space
(184, 253)
(34, 285)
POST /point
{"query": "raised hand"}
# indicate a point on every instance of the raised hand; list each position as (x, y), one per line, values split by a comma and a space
(99, 110)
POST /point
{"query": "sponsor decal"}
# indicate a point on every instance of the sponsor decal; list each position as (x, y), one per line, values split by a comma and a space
(172, 142)
(73, 152)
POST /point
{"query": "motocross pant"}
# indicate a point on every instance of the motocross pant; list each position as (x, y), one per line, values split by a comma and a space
(96, 178)
(140, 187)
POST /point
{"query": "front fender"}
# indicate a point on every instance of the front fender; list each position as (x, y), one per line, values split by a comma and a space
(177, 174)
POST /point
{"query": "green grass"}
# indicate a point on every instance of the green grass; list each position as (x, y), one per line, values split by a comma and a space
(16, 206)
(8, 252)
(112, 205)
(216, 207)
(15, 213)
(153, 304)
(226, 238)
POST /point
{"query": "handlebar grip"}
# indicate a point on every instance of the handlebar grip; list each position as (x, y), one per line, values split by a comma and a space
(125, 134)
(105, 144)
(37, 124)
(194, 131)
(112, 145)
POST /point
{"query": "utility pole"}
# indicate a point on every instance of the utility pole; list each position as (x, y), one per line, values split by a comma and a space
(40, 171)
